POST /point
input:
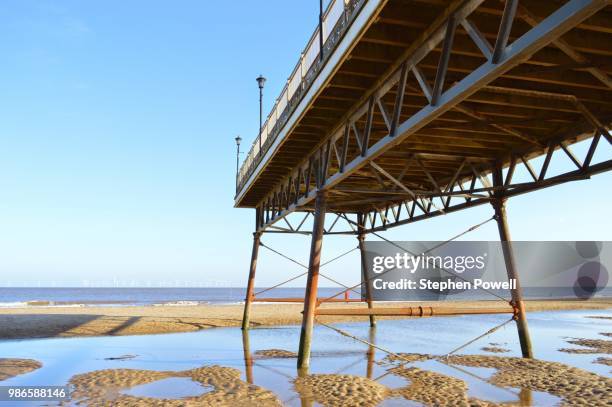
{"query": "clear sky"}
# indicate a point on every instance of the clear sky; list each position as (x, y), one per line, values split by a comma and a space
(117, 155)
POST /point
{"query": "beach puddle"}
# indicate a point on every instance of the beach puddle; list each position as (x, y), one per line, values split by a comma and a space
(122, 357)
(170, 388)
(392, 381)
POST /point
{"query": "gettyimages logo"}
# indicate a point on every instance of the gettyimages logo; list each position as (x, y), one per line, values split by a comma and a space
(412, 263)
(465, 270)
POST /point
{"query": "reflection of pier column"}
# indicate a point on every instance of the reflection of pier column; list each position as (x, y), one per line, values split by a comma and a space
(310, 296)
(248, 358)
(525, 397)
(305, 401)
(499, 204)
(371, 352)
(367, 282)
(251, 284)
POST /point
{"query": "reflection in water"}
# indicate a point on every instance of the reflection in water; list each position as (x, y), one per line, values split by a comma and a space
(248, 357)
(371, 352)
(424, 380)
(305, 401)
(525, 397)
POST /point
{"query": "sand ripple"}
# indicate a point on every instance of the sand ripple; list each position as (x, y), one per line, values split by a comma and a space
(103, 388)
(494, 349)
(341, 390)
(604, 361)
(575, 386)
(591, 346)
(434, 389)
(275, 354)
(14, 367)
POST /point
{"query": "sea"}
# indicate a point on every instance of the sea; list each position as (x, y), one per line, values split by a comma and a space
(14, 297)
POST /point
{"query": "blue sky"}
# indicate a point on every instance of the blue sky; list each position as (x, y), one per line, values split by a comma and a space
(117, 122)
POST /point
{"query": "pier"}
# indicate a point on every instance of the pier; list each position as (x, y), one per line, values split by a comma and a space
(398, 111)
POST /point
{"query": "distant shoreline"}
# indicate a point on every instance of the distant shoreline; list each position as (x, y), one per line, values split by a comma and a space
(46, 322)
(107, 297)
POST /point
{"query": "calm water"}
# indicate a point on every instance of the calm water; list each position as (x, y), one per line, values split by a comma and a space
(332, 353)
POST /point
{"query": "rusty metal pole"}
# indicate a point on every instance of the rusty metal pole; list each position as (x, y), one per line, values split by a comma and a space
(499, 205)
(310, 296)
(251, 284)
(364, 274)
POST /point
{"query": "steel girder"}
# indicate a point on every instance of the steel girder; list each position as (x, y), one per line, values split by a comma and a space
(350, 148)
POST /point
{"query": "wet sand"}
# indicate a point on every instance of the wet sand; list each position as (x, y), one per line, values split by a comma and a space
(571, 385)
(494, 349)
(275, 354)
(15, 367)
(603, 361)
(336, 390)
(41, 322)
(589, 346)
(105, 387)
(574, 386)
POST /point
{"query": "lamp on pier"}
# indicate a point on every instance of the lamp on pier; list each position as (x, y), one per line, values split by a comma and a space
(238, 139)
(260, 82)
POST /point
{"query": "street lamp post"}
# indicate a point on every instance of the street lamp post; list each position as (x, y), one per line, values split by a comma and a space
(260, 82)
(238, 140)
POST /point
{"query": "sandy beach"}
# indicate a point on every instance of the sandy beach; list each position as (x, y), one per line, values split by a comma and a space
(229, 367)
(122, 379)
(41, 322)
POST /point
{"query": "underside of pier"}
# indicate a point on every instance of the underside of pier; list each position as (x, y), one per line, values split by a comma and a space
(424, 107)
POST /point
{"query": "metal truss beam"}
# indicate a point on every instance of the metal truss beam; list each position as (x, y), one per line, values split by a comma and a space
(317, 173)
(338, 226)
(469, 194)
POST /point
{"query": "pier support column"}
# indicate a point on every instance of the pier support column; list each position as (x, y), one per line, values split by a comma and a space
(251, 284)
(310, 296)
(368, 283)
(499, 205)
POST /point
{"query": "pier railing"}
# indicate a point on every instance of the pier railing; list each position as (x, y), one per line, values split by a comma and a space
(337, 17)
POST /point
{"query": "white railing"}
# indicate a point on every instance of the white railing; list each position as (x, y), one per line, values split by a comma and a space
(337, 11)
